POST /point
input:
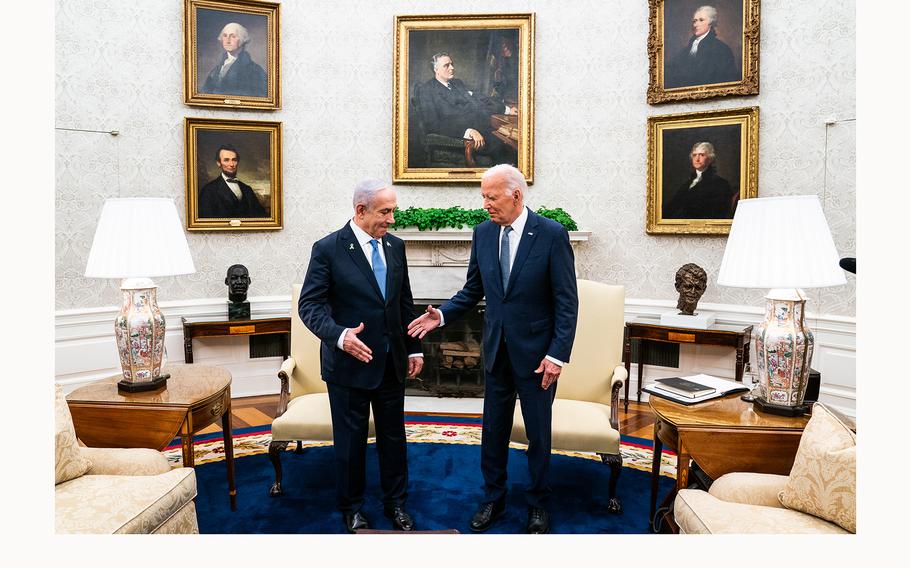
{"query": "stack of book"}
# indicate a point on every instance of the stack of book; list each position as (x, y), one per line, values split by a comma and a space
(696, 388)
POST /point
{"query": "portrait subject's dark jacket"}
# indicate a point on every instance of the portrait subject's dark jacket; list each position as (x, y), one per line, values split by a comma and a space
(452, 111)
(712, 63)
(710, 198)
(217, 200)
(340, 291)
(244, 77)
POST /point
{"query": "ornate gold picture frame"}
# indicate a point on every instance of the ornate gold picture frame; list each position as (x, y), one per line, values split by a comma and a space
(700, 164)
(230, 53)
(698, 51)
(233, 175)
(463, 96)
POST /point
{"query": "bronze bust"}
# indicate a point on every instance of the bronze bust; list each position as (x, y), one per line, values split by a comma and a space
(691, 281)
(238, 282)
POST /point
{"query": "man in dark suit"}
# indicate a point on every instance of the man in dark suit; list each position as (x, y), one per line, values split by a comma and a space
(449, 108)
(524, 265)
(356, 298)
(705, 60)
(226, 196)
(705, 195)
(236, 73)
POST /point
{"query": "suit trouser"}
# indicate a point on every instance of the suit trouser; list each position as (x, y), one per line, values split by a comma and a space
(350, 426)
(500, 389)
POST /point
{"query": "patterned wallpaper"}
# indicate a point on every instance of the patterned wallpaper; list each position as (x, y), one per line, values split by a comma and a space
(119, 67)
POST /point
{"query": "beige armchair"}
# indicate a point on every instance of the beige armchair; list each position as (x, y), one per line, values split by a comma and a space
(819, 495)
(585, 412)
(303, 404)
(116, 490)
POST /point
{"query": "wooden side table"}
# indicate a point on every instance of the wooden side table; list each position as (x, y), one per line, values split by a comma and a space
(738, 337)
(721, 435)
(221, 326)
(194, 397)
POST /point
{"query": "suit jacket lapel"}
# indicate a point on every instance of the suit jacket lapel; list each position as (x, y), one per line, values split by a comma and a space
(391, 266)
(353, 247)
(524, 247)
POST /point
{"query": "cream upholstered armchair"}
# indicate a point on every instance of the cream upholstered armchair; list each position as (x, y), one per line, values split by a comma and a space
(303, 405)
(117, 490)
(585, 412)
(819, 495)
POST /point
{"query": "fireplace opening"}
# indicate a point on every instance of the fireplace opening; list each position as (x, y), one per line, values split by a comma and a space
(453, 357)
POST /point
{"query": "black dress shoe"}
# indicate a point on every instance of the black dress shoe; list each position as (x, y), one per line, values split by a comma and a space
(401, 519)
(354, 521)
(486, 514)
(538, 521)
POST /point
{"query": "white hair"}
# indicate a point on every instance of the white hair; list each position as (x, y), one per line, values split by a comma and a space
(365, 191)
(513, 177)
(437, 57)
(709, 149)
(240, 30)
(711, 11)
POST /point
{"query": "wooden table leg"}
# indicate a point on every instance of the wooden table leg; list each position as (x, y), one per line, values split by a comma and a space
(229, 452)
(642, 350)
(186, 441)
(740, 360)
(187, 347)
(627, 359)
(655, 472)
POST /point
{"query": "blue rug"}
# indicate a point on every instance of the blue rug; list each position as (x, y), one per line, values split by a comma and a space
(445, 488)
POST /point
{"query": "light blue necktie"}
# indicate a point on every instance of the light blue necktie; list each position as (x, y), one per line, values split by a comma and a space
(378, 267)
(504, 257)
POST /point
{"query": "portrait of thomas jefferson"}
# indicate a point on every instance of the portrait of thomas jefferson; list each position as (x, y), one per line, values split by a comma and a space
(704, 194)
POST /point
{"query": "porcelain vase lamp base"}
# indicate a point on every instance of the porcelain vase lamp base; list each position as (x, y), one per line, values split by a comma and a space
(139, 330)
(783, 349)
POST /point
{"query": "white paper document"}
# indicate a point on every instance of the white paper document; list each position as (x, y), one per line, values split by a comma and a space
(722, 387)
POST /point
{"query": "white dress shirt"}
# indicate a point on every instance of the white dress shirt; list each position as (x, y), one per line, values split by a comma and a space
(226, 65)
(363, 239)
(233, 186)
(694, 49)
(518, 229)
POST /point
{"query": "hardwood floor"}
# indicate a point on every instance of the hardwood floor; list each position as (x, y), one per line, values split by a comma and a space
(260, 410)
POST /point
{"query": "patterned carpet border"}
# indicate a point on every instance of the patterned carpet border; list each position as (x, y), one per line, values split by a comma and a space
(251, 441)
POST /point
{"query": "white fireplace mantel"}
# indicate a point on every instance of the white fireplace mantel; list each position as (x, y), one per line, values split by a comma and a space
(455, 236)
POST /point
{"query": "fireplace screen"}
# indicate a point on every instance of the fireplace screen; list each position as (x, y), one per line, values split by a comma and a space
(453, 358)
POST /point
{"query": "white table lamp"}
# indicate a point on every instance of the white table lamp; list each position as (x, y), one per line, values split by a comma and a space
(781, 243)
(138, 238)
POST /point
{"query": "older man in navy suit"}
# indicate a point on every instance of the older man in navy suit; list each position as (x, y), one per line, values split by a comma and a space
(524, 265)
(356, 298)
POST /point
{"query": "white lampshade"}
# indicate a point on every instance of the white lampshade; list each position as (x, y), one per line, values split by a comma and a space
(139, 237)
(780, 242)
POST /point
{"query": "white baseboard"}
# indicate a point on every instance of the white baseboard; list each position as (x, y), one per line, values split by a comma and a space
(85, 349)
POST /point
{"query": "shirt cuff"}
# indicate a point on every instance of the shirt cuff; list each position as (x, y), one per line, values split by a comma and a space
(442, 318)
(415, 355)
(340, 343)
(554, 360)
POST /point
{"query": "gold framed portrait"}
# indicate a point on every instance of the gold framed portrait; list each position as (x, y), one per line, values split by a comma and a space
(230, 54)
(233, 175)
(463, 96)
(700, 164)
(700, 51)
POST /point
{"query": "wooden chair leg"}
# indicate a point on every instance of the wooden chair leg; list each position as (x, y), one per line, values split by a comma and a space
(614, 505)
(469, 154)
(275, 450)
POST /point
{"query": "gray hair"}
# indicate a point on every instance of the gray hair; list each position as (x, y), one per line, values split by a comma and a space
(241, 33)
(365, 191)
(436, 57)
(711, 11)
(709, 149)
(513, 176)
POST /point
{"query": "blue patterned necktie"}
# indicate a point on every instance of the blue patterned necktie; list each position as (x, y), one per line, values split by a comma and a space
(378, 267)
(505, 257)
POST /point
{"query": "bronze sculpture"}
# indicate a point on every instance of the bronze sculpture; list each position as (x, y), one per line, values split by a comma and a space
(691, 281)
(238, 282)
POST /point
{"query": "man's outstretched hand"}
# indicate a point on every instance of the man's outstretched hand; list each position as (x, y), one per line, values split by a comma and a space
(425, 323)
(356, 348)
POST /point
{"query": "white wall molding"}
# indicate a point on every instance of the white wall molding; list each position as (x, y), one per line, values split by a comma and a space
(85, 349)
